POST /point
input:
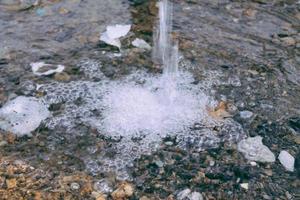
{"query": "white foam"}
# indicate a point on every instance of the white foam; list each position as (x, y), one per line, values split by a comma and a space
(131, 109)
(136, 106)
(22, 115)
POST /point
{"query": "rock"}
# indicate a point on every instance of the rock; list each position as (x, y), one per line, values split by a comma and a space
(183, 194)
(142, 44)
(144, 198)
(125, 190)
(254, 150)
(63, 77)
(169, 143)
(245, 185)
(187, 194)
(195, 196)
(251, 13)
(11, 183)
(10, 138)
(288, 41)
(75, 186)
(22, 115)
(159, 163)
(98, 196)
(43, 69)
(246, 114)
(287, 160)
(113, 33)
(3, 143)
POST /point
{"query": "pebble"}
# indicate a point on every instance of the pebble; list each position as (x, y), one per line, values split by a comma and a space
(246, 114)
(3, 143)
(169, 143)
(183, 194)
(287, 160)
(245, 185)
(159, 163)
(254, 150)
(252, 163)
(75, 186)
(142, 44)
(124, 191)
(63, 77)
(187, 194)
(288, 41)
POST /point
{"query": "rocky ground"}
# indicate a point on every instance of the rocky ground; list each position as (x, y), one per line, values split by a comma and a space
(254, 45)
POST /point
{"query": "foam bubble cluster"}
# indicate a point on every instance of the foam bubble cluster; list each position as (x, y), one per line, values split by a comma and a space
(135, 106)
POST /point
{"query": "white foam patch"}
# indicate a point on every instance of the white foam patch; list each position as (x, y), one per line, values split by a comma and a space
(22, 115)
(137, 106)
(130, 109)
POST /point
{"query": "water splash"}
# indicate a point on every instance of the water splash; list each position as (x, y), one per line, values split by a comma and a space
(165, 51)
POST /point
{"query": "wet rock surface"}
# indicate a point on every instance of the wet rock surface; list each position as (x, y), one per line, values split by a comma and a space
(252, 45)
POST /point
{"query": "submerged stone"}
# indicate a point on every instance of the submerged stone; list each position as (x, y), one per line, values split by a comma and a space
(142, 44)
(22, 115)
(287, 160)
(253, 149)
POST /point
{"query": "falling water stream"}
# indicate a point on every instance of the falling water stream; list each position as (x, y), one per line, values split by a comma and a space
(165, 50)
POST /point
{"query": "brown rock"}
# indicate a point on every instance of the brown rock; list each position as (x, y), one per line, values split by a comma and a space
(220, 111)
(124, 191)
(62, 77)
(250, 13)
(10, 138)
(11, 183)
(98, 196)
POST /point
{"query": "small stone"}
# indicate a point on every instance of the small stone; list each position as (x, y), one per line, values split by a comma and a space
(3, 143)
(250, 13)
(297, 139)
(267, 197)
(159, 163)
(195, 196)
(75, 186)
(98, 196)
(10, 138)
(144, 198)
(245, 185)
(63, 77)
(169, 143)
(11, 183)
(287, 160)
(268, 172)
(288, 41)
(254, 150)
(142, 44)
(288, 195)
(183, 194)
(125, 190)
(252, 163)
(63, 11)
(246, 114)
(187, 194)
